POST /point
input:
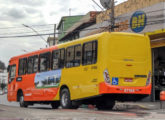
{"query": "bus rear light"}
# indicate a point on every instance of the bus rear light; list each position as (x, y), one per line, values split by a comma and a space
(106, 76)
(148, 79)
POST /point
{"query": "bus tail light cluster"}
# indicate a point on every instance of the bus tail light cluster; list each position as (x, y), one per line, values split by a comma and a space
(148, 79)
(106, 76)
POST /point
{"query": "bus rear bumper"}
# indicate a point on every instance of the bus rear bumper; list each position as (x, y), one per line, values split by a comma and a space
(105, 88)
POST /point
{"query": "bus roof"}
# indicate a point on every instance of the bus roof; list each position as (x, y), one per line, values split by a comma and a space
(74, 41)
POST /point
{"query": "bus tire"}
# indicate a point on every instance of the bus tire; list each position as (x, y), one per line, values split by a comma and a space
(22, 102)
(75, 104)
(65, 100)
(106, 105)
(55, 105)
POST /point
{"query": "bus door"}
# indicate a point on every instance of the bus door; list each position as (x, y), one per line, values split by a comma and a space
(11, 83)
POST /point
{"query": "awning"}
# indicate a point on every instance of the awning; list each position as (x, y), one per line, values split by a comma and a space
(157, 38)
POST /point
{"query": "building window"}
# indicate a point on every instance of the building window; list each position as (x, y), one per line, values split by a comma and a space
(90, 53)
(45, 61)
(22, 66)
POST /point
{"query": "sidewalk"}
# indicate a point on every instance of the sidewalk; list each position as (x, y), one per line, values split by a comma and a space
(144, 105)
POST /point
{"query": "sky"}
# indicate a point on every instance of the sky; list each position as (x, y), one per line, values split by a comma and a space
(40, 15)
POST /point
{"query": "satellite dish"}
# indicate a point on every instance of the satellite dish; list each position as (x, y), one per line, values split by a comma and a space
(106, 3)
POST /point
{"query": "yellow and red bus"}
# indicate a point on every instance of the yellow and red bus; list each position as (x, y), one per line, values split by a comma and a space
(98, 69)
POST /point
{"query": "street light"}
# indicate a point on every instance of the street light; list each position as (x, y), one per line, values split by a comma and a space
(35, 32)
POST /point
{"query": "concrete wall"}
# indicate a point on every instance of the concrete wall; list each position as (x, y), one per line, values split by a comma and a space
(126, 7)
(155, 20)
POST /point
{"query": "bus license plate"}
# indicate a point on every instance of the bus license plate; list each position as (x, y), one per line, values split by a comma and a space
(129, 90)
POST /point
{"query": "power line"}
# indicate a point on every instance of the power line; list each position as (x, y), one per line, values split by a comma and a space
(34, 31)
(23, 27)
(41, 25)
(47, 25)
(9, 33)
(98, 5)
(43, 34)
(150, 23)
(19, 36)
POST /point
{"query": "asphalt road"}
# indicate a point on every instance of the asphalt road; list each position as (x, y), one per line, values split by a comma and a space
(39, 113)
(4, 101)
(12, 111)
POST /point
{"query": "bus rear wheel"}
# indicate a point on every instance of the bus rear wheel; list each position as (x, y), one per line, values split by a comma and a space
(65, 100)
(22, 102)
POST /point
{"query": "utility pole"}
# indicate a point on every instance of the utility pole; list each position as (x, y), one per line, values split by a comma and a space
(112, 16)
(70, 11)
(110, 4)
(54, 41)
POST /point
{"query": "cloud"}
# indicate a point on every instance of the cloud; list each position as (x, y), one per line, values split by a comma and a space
(31, 10)
(27, 2)
(16, 13)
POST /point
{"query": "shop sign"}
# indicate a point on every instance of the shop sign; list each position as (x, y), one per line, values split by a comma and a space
(138, 21)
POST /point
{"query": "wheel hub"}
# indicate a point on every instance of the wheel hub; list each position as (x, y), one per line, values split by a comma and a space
(64, 99)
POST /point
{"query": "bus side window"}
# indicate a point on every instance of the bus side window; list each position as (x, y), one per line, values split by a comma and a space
(70, 57)
(22, 66)
(94, 52)
(30, 65)
(12, 73)
(62, 58)
(44, 62)
(90, 53)
(35, 64)
(55, 61)
(77, 53)
(58, 59)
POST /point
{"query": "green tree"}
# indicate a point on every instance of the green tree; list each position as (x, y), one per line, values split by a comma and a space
(2, 65)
